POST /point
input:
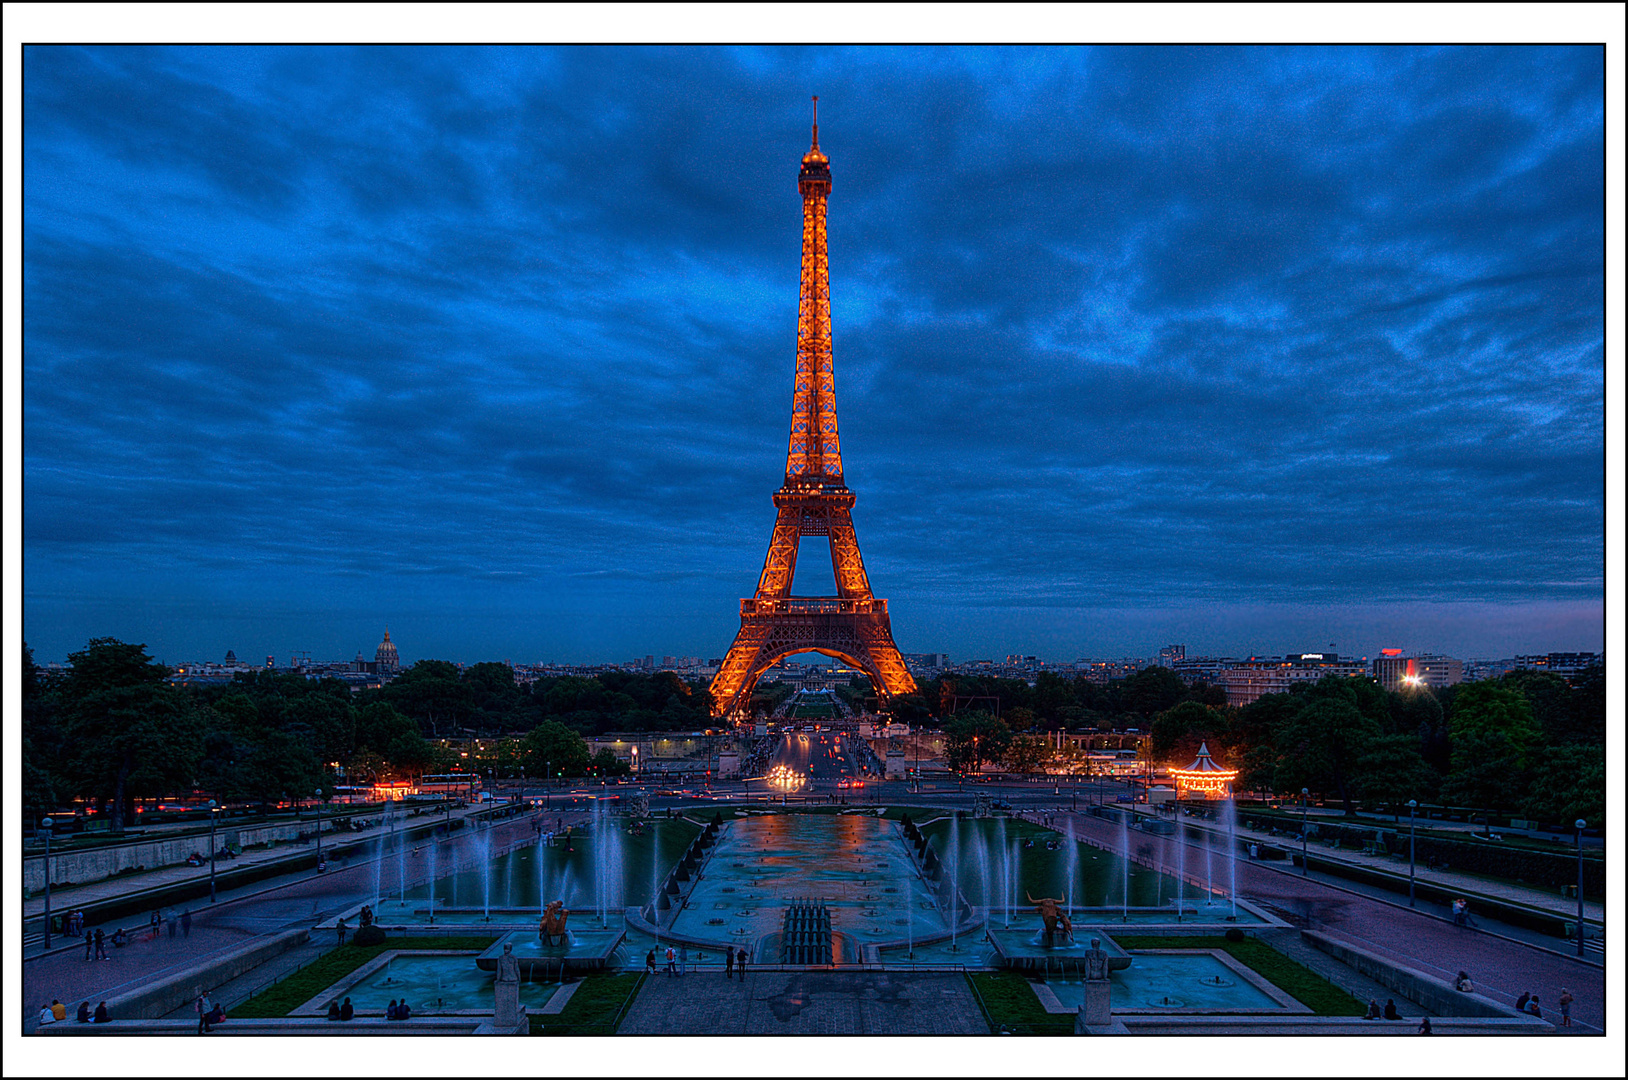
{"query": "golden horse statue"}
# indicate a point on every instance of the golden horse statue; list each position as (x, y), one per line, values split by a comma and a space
(552, 924)
(1051, 915)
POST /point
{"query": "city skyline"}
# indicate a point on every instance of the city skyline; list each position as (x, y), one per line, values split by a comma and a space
(494, 346)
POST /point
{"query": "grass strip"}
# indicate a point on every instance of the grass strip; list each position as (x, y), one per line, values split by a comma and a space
(281, 998)
(1010, 1005)
(593, 1009)
(1290, 976)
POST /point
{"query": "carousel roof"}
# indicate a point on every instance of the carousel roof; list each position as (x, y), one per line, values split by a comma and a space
(1205, 763)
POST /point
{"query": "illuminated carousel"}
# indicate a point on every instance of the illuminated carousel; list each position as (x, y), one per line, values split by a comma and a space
(1203, 779)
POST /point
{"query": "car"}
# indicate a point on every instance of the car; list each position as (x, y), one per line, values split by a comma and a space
(843, 784)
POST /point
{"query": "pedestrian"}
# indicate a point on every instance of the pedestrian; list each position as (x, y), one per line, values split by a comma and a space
(341, 928)
(169, 924)
(683, 959)
(729, 963)
(101, 948)
(1520, 1002)
(186, 922)
(740, 963)
(1565, 1007)
(1424, 1026)
(152, 925)
(202, 1007)
(672, 969)
(650, 962)
(87, 944)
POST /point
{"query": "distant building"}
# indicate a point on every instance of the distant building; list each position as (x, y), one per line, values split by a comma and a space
(385, 661)
(1249, 680)
(1568, 665)
(1393, 671)
(1170, 655)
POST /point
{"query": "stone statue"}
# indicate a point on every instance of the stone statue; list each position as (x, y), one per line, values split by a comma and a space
(508, 965)
(1051, 915)
(552, 924)
(1096, 961)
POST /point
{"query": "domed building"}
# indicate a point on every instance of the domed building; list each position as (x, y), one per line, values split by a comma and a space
(385, 660)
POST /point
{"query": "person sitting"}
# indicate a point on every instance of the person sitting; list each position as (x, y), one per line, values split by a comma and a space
(404, 1010)
(101, 1013)
(1424, 1026)
(1464, 985)
(217, 1015)
(1532, 1007)
(333, 1010)
(390, 1010)
(120, 938)
(84, 1012)
(46, 1016)
(1390, 1010)
(1520, 1002)
(1373, 1009)
(347, 1010)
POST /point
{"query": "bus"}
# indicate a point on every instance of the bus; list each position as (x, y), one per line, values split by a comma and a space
(464, 785)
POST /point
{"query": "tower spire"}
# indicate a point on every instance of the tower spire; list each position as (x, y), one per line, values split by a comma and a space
(816, 121)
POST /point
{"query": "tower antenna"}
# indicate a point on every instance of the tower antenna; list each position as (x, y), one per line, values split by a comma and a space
(816, 120)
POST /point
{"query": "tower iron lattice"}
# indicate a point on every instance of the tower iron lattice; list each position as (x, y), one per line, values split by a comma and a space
(814, 501)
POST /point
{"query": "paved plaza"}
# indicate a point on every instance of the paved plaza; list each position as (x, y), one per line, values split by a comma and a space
(805, 1003)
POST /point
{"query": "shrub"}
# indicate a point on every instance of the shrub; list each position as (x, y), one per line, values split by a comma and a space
(368, 935)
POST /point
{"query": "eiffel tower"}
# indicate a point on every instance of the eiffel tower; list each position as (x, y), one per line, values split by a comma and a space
(814, 501)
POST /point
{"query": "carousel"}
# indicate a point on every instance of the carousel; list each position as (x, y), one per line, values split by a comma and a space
(1203, 779)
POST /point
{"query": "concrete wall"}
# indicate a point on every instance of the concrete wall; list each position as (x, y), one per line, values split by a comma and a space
(429, 1025)
(81, 867)
(168, 994)
(1435, 995)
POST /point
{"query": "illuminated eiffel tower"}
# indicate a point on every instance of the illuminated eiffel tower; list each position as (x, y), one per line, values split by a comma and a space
(814, 501)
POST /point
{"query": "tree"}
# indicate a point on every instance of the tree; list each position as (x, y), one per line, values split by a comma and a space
(131, 734)
(1486, 771)
(1180, 728)
(1392, 771)
(553, 749)
(1319, 745)
(431, 692)
(1493, 709)
(972, 738)
(1026, 754)
(1152, 691)
(1569, 784)
(606, 763)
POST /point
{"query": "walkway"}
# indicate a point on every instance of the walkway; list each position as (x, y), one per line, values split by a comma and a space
(805, 1003)
(1500, 968)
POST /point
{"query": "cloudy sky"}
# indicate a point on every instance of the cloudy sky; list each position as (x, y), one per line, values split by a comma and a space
(1258, 350)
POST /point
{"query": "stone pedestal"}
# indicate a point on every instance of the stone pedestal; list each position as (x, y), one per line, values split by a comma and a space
(1096, 1016)
(509, 1016)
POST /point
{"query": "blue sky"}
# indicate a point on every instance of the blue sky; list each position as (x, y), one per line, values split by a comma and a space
(1252, 349)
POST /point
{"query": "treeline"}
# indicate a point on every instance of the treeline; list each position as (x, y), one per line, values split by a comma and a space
(1527, 744)
(112, 729)
(1054, 701)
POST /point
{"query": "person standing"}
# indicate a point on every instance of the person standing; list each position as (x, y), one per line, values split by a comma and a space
(341, 928)
(1565, 1007)
(169, 924)
(87, 944)
(202, 1008)
(152, 925)
(672, 969)
(650, 962)
(101, 949)
(740, 963)
(729, 963)
(186, 922)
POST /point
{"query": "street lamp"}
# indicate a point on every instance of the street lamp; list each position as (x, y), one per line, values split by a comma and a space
(318, 794)
(1413, 807)
(212, 809)
(1579, 823)
(44, 823)
(1305, 867)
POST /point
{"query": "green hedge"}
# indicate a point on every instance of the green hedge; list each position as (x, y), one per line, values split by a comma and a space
(1290, 976)
(282, 997)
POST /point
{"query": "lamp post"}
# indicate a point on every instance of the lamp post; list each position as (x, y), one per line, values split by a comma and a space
(44, 823)
(318, 794)
(212, 809)
(1579, 823)
(1413, 807)
(1305, 867)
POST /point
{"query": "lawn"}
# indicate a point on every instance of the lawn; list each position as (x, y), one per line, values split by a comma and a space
(1290, 976)
(594, 1009)
(1010, 1005)
(301, 986)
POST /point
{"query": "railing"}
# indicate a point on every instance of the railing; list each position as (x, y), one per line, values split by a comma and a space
(821, 605)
